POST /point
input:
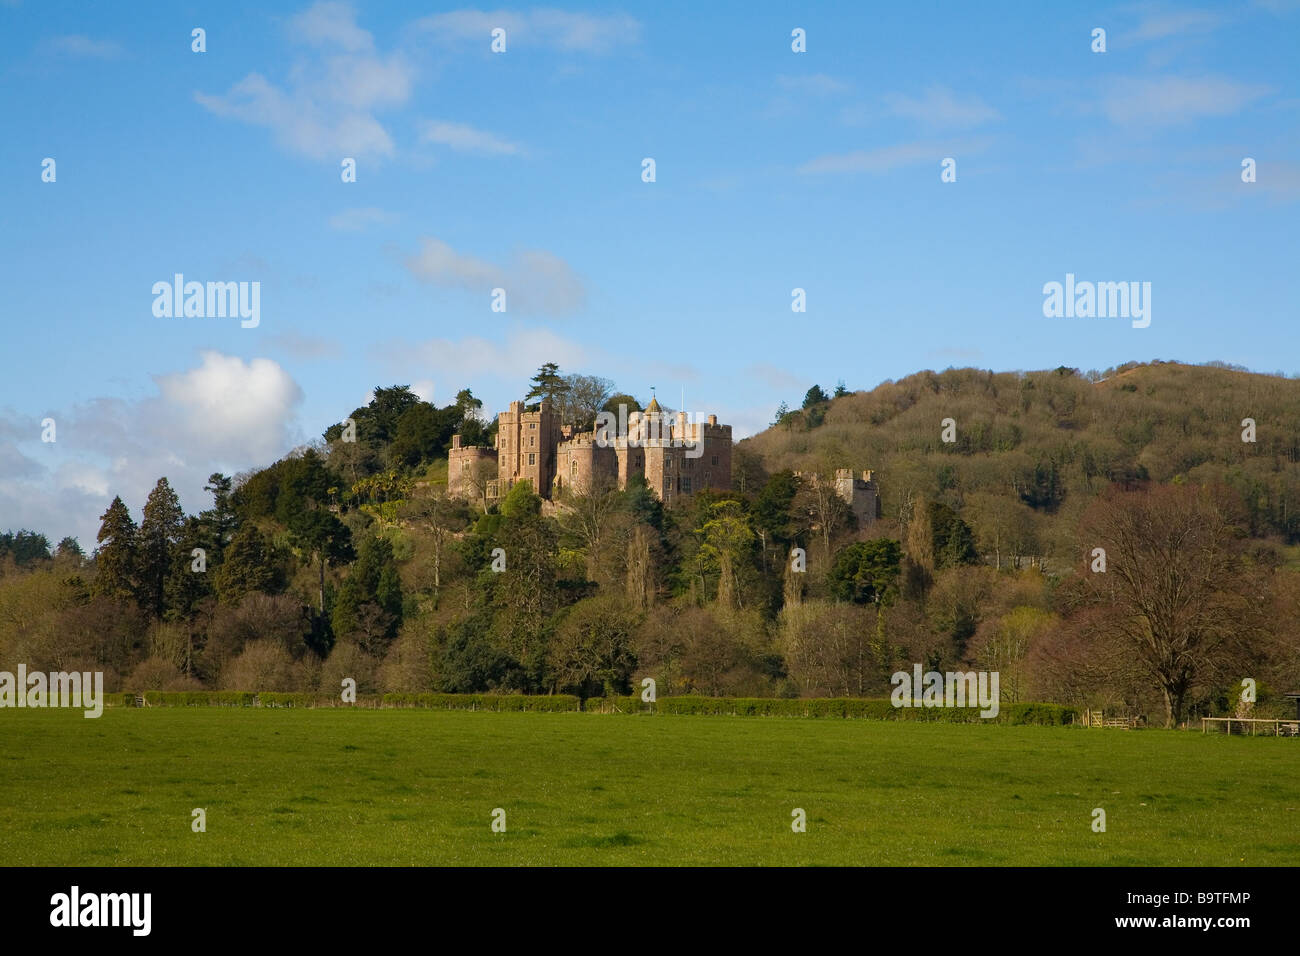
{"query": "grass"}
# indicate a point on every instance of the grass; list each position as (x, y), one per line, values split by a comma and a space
(302, 787)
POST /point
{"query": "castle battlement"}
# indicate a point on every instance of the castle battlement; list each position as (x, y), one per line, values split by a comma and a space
(675, 456)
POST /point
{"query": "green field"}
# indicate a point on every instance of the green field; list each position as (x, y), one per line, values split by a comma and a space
(405, 787)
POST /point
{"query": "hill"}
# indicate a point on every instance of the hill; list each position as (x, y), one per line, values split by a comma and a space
(1046, 442)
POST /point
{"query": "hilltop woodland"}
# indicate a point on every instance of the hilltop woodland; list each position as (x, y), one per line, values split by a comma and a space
(347, 558)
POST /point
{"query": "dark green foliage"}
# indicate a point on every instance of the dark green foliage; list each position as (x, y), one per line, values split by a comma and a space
(548, 384)
(115, 557)
(866, 572)
(954, 542)
(370, 598)
(251, 564)
(26, 547)
(156, 541)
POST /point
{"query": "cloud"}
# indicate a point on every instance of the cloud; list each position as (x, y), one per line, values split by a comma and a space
(534, 280)
(1160, 25)
(331, 24)
(328, 109)
(79, 44)
(474, 358)
(887, 158)
(556, 29)
(359, 219)
(466, 139)
(223, 414)
(1173, 100)
(773, 376)
(816, 84)
(940, 108)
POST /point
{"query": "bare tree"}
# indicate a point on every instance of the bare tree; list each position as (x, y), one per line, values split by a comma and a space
(1174, 588)
(590, 515)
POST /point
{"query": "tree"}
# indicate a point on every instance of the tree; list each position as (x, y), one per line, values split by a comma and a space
(726, 544)
(866, 572)
(815, 396)
(1175, 588)
(586, 397)
(25, 547)
(250, 567)
(324, 538)
(115, 557)
(822, 508)
(370, 599)
(841, 389)
(160, 529)
(220, 521)
(549, 385)
(592, 651)
(771, 512)
(590, 516)
(442, 518)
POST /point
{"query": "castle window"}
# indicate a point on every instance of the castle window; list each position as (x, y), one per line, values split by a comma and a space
(532, 425)
(532, 459)
(532, 440)
(715, 461)
(686, 485)
(573, 467)
(464, 466)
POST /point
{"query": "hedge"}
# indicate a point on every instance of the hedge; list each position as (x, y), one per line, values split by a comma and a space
(557, 703)
(874, 709)
(844, 707)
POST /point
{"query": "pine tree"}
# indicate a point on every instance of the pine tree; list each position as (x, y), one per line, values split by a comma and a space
(249, 566)
(549, 384)
(160, 531)
(220, 522)
(115, 556)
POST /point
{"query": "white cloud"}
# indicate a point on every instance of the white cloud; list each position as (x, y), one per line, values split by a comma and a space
(557, 29)
(331, 24)
(328, 109)
(534, 280)
(224, 414)
(512, 361)
(465, 139)
(941, 108)
(1172, 100)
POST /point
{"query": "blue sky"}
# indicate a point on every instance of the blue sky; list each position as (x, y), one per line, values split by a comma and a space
(521, 170)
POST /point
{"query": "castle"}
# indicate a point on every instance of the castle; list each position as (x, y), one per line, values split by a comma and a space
(674, 456)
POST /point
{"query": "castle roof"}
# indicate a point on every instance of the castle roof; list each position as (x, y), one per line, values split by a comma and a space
(654, 406)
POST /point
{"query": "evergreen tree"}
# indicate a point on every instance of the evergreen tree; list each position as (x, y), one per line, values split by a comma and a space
(160, 530)
(220, 521)
(251, 566)
(115, 557)
(549, 384)
(372, 581)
